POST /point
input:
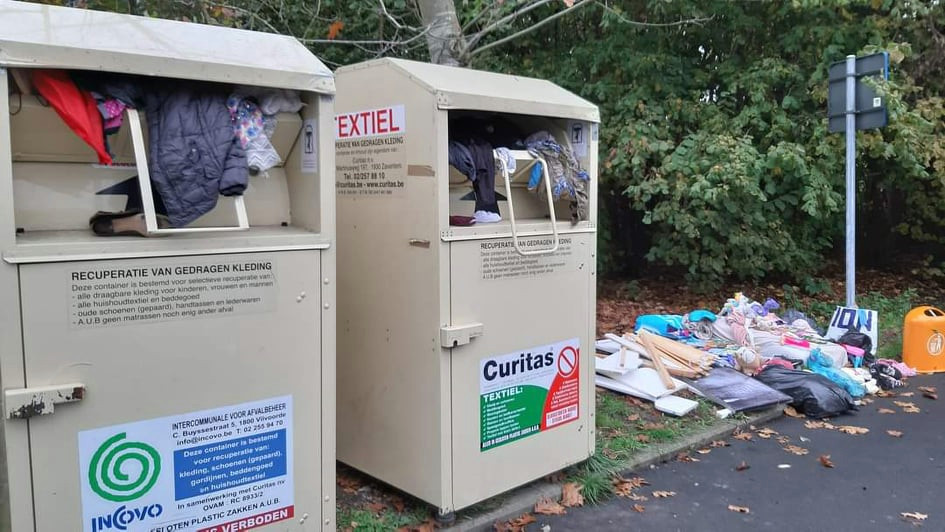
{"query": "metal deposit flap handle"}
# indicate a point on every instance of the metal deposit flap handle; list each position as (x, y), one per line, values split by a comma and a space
(24, 403)
(457, 335)
(147, 197)
(551, 208)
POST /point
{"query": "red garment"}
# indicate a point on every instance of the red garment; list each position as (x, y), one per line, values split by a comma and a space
(76, 108)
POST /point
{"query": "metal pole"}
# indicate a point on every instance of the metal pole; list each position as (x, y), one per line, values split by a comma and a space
(851, 180)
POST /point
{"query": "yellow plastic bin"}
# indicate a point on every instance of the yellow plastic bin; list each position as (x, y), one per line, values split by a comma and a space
(923, 339)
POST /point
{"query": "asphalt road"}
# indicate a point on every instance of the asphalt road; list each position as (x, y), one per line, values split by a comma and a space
(875, 478)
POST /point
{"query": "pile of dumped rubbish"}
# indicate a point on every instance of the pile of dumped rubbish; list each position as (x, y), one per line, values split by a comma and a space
(746, 357)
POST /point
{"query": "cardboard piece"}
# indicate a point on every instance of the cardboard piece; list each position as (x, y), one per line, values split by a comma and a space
(859, 319)
(643, 383)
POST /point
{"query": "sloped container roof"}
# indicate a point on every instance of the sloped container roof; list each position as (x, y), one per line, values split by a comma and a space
(463, 88)
(41, 36)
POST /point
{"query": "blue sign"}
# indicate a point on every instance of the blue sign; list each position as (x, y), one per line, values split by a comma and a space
(228, 464)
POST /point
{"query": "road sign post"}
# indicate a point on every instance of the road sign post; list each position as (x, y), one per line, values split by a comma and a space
(853, 105)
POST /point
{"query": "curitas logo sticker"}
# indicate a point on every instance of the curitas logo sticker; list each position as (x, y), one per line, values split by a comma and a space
(123, 471)
(528, 391)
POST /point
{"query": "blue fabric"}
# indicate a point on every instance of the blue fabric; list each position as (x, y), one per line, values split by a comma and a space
(535, 176)
(823, 365)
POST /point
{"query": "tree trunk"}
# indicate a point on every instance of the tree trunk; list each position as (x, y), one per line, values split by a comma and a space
(444, 40)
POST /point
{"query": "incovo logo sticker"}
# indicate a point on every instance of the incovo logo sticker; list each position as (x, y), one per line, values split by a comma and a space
(113, 474)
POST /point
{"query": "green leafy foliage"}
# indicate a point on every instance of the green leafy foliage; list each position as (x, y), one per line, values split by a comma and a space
(714, 133)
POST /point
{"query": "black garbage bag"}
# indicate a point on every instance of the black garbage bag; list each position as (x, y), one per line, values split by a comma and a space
(814, 395)
(861, 340)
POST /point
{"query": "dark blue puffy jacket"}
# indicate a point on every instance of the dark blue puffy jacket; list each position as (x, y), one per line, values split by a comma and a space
(193, 154)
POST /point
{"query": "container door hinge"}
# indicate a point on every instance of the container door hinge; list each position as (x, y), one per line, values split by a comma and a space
(457, 335)
(24, 403)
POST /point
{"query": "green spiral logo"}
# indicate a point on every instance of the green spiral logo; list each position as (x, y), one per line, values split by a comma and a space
(107, 475)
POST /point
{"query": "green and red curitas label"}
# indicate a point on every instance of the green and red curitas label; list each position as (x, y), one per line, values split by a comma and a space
(527, 392)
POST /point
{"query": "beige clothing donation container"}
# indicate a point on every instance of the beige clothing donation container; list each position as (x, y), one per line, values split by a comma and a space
(182, 382)
(465, 352)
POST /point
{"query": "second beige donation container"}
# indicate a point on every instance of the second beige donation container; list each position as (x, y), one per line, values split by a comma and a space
(467, 215)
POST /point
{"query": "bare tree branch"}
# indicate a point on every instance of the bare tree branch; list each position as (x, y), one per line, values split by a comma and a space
(382, 42)
(684, 22)
(491, 8)
(472, 41)
(397, 24)
(529, 29)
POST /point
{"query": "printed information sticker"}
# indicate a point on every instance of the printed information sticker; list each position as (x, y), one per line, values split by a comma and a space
(529, 391)
(371, 152)
(218, 470)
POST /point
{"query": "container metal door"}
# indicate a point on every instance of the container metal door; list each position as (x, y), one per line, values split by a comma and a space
(521, 390)
(201, 375)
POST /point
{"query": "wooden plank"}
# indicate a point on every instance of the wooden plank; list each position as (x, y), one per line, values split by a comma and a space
(657, 360)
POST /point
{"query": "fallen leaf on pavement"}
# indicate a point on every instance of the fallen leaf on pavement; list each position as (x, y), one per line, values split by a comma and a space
(766, 433)
(718, 443)
(546, 506)
(906, 394)
(866, 400)
(744, 436)
(663, 494)
(742, 466)
(914, 515)
(794, 449)
(884, 393)
(930, 395)
(894, 433)
(886, 411)
(783, 439)
(622, 488)
(791, 412)
(815, 424)
(928, 389)
(825, 460)
(908, 408)
(571, 495)
(684, 457)
(704, 451)
(639, 508)
(739, 509)
(515, 525)
(850, 429)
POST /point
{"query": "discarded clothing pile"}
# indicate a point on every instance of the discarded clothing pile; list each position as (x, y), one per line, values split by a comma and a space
(819, 376)
(479, 148)
(203, 139)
